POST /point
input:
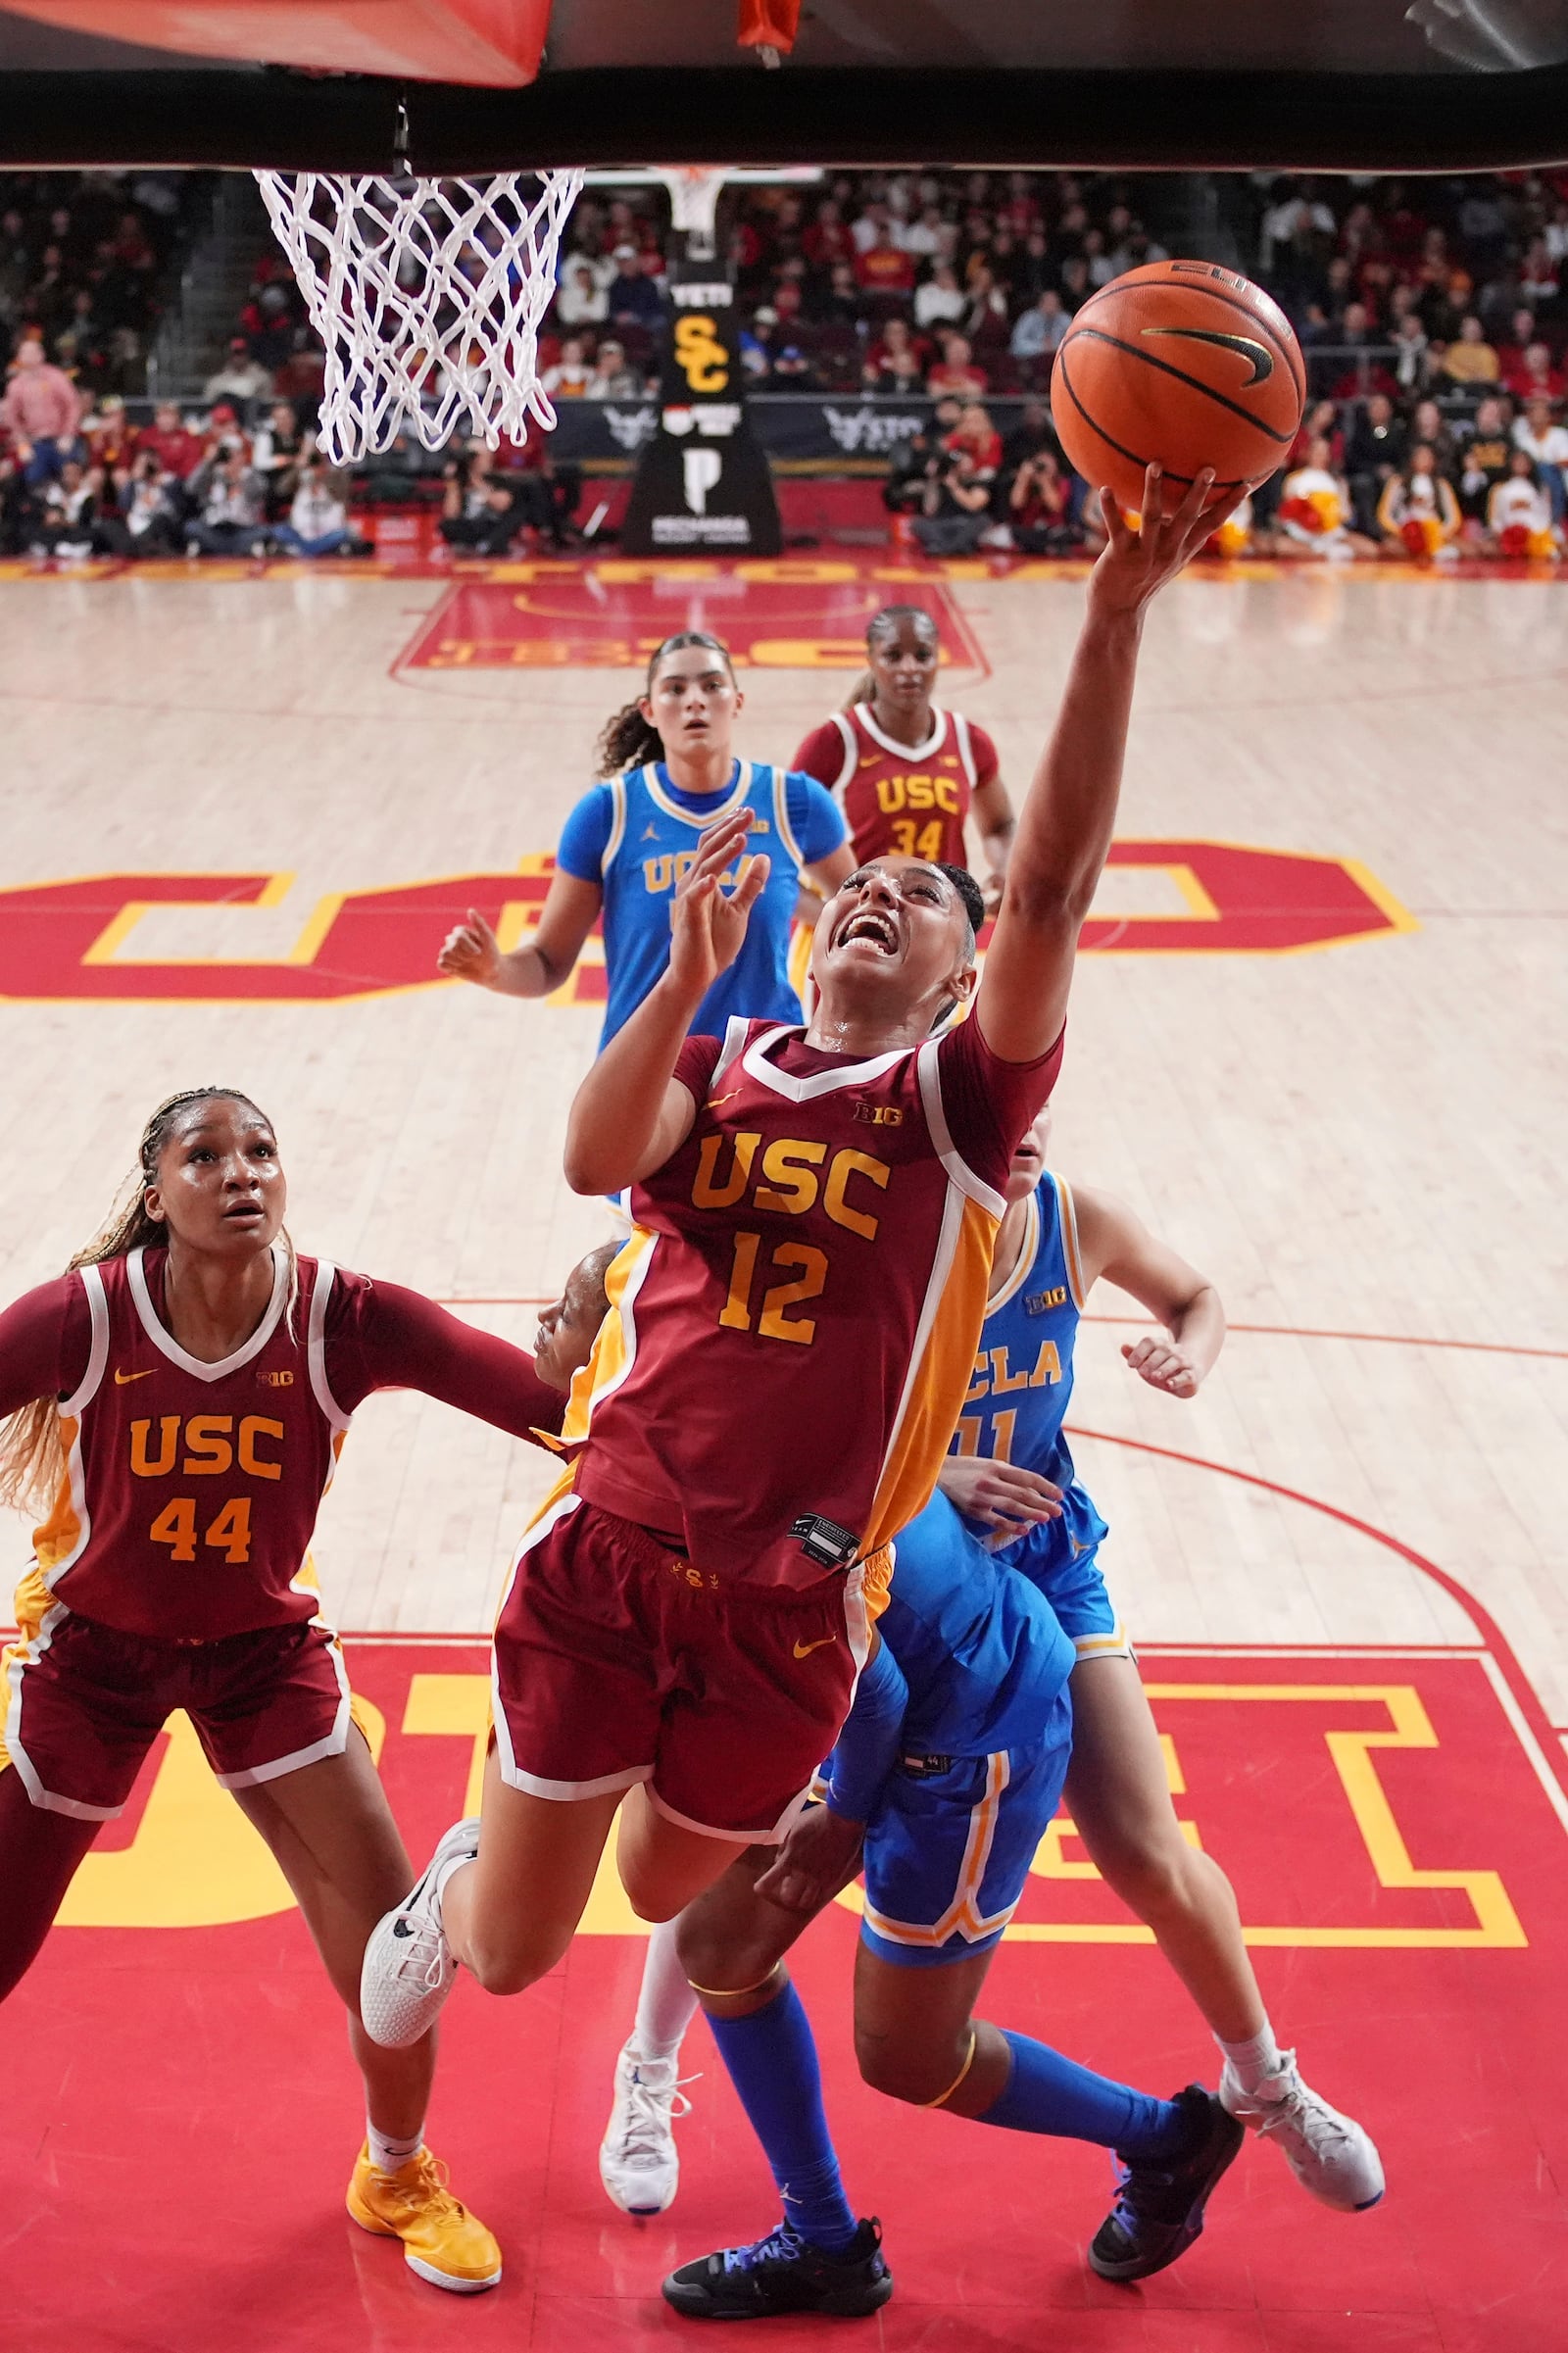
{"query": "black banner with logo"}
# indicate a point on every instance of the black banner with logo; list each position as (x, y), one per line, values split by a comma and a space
(807, 428)
(702, 481)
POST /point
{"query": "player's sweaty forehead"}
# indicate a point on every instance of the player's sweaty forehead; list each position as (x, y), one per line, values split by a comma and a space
(903, 873)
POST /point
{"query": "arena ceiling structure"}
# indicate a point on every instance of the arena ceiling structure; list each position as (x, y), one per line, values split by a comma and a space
(1318, 84)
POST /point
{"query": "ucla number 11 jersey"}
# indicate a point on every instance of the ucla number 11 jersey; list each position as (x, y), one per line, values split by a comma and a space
(1017, 1400)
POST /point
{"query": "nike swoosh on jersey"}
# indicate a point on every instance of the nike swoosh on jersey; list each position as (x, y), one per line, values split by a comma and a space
(121, 1379)
(804, 1650)
(715, 1101)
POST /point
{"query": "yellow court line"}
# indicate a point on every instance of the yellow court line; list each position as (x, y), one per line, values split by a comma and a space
(1497, 1925)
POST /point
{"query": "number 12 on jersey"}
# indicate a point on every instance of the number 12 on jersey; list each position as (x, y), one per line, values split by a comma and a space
(772, 1322)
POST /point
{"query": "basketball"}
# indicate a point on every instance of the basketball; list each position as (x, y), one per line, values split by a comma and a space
(1180, 364)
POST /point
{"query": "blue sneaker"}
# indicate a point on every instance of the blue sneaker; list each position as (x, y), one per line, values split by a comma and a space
(1160, 2208)
(784, 2273)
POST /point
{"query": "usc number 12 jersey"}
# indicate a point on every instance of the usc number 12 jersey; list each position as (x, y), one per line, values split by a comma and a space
(899, 798)
(794, 1321)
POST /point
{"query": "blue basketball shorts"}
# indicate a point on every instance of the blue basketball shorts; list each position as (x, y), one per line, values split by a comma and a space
(948, 1853)
(1075, 1587)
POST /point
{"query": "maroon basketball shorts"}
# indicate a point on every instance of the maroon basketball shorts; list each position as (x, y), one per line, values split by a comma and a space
(616, 1661)
(85, 1704)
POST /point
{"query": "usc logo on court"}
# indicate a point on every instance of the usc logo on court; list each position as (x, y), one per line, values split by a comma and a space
(212, 1448)
(114, 937)
(703, 360)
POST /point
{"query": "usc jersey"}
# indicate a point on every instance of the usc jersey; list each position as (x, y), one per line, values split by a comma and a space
(190, 1491)
(792, 1323)
(912, 800)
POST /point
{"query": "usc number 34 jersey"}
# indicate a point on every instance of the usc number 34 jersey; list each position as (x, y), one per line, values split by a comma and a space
(899, 799)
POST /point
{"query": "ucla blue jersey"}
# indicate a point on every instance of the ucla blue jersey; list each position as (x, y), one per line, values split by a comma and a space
(651, 843)
(1017, 1400)
(981, 1650)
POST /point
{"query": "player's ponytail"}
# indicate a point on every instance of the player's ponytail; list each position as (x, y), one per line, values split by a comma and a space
(884, 624)
(31, 1463)
(628, 739)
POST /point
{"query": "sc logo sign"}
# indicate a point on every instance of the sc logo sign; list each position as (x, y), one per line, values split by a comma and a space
(702, 359)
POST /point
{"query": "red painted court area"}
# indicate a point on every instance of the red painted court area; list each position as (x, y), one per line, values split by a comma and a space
(181, 2115)
(778, 613)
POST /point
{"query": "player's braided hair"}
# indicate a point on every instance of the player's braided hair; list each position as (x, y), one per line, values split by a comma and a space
(31, 1463)
(628, 739)
(884, 624)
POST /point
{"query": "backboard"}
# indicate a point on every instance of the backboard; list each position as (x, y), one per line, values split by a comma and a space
(1334, 84)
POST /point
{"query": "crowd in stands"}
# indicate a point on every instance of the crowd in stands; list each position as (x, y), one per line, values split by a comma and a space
(1433, 315)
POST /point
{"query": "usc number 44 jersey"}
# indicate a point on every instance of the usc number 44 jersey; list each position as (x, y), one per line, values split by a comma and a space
(794, 1321)
(900, 798)
(190, 1491)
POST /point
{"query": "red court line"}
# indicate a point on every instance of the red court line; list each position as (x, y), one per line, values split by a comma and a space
(1486, 1625)
(1393, 1339)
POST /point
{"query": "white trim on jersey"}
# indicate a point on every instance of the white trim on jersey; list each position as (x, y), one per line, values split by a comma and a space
(826, 1082)
(933, 742)
(164, 1341)
(852, 755)
(512, 1773)
(625, 1311)
(781, 816)
(735, 1029)
(22, 1656)
(316, 1348)
(92, 1283)
(1026, 1258)
(698, 819)
(964, 747)
(617, 824)
(1071, 1248)
(929, 1065)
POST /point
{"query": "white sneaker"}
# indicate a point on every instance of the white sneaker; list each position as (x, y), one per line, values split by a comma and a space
(409, 1968)
(1329, 2154)
(638, 2162)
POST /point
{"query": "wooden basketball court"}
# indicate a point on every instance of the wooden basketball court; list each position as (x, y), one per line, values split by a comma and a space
(1316, 1040)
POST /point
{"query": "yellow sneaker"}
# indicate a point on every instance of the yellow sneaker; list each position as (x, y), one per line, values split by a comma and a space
(442, 2241)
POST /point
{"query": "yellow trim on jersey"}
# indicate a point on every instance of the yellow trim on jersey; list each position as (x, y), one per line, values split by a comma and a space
(1069, 1242)
(1026, 1258)
(941, 1378)
(58, 1536)
(963, 1916)
(616, 1348)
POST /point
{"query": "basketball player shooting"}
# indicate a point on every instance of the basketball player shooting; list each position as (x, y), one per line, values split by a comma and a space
(792, 1329)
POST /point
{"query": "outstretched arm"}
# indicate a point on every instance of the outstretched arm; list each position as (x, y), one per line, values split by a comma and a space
(1064, 826)
(1117, 1244)
(632, 1111)
(390, 1338)
(540, 962)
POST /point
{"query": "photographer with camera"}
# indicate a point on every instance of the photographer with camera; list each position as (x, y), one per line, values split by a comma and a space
(1040, 506)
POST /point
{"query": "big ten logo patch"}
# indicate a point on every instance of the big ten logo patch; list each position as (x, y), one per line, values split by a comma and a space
(120, 938)
(700, 355)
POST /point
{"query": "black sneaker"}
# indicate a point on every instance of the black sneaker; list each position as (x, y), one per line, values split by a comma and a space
(1160, 2208)
(784, 2273)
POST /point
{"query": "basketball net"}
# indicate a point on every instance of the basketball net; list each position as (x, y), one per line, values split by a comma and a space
(428, 295)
